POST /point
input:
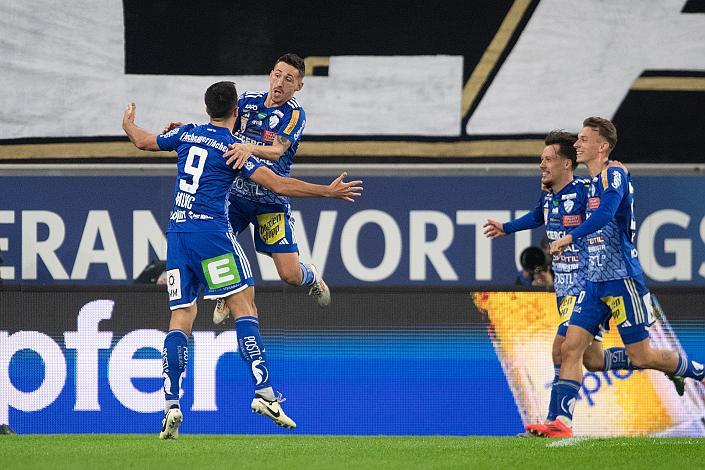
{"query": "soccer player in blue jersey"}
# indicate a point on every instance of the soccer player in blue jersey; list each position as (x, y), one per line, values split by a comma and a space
(270, 125)
(202, 250)
(561, 208)
(615, 286)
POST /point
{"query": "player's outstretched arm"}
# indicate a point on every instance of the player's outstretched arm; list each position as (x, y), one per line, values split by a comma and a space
(493, 229)
(141, 138)
(292, 187)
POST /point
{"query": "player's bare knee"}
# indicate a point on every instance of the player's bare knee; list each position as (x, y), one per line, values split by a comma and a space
(570, 353)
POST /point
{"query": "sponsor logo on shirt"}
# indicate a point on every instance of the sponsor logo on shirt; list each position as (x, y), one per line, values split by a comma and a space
(593, 203)
(571, 220)
(269, 136)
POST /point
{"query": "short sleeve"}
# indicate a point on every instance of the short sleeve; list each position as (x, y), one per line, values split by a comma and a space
(293, 125)
(171, 139)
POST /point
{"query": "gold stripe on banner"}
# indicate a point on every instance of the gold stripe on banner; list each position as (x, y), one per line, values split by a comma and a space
(669, 84)
(477, 148)
(77, 150)
(489, 59)
(314, 61)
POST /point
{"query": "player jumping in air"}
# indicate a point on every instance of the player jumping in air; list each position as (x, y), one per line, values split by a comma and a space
(615, 285)
(203, 251)
(270, 125)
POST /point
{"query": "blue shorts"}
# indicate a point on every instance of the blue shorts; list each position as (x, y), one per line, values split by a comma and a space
(566, 304)
(211, 259)
(628, 301)
(273, 223)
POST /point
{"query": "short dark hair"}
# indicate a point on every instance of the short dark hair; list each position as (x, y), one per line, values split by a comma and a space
(221, 100)
(293, 60)
(604, 127)
(564, 140)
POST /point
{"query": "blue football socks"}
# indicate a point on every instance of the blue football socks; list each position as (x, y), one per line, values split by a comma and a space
(691, 369)
(553, 403)
(174, 362)
(567, 392)
(252, 351)
(617, 359)
(307, 277)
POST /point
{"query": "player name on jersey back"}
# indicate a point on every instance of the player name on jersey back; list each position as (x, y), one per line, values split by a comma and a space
(204, 179)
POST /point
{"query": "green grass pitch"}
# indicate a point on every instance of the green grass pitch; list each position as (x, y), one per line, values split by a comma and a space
(333, 452)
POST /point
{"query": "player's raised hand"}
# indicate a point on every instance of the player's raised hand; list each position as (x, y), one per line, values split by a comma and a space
(493, 229)
(171, 126)
(617, 164)
(128, 116)
(237, 155)
(346, 190)
(558, 246)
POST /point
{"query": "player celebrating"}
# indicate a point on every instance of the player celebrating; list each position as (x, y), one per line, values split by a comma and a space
(270, 126)
(561, 208)
(615, 285)
(203, 251)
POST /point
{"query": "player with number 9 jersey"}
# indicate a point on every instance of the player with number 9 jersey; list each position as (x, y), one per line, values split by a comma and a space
(210, 254)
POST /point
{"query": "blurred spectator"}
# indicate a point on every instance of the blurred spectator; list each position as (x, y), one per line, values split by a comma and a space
(535, 269)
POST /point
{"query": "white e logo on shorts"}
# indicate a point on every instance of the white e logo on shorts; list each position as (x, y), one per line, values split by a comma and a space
(220, 271)
(173, 284)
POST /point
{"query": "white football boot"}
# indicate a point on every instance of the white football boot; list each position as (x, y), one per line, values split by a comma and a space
(221, 311)
(319, 290)
(171, 422)
(273, 411)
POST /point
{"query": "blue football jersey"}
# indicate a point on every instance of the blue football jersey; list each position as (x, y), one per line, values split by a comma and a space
(260, 125)
(560, 213)
(563, 212)
(611, 250)
(204, 179)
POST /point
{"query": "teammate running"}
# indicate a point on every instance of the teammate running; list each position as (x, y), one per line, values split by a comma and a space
(615, 285)
(561, 208)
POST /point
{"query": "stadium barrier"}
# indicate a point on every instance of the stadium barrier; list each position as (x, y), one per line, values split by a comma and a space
(416, 227)
(392, 361)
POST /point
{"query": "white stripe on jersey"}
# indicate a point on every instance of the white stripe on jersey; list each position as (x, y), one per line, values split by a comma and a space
(293, 103)
(636, 301)
(253, 94)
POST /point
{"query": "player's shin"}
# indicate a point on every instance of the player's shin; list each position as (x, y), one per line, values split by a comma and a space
(174, 362)
(252, 351)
